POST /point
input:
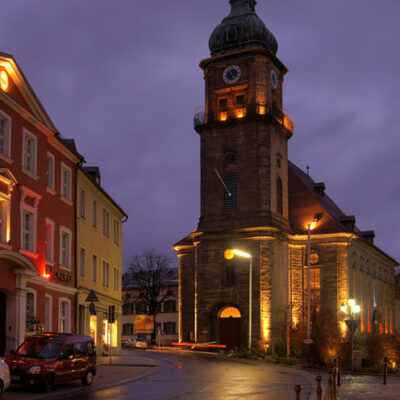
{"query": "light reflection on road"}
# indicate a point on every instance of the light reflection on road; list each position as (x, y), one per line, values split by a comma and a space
(183, 377)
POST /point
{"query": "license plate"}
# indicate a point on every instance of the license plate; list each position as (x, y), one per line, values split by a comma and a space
(15, 378)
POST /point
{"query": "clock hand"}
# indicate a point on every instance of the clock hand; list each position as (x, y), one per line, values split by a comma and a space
(223, 183)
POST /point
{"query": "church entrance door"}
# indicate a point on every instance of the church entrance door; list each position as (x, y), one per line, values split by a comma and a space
(2, 323)
(229, 327)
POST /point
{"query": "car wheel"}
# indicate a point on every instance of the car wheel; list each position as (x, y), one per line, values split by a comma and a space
(1, 387)
(48, 383)
(88, 379)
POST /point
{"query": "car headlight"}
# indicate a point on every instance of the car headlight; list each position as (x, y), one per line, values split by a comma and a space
(34, 370)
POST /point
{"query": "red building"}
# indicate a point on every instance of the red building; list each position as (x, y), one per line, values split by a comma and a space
(37, 215)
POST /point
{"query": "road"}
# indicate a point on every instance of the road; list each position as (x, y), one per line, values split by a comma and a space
(198, 377)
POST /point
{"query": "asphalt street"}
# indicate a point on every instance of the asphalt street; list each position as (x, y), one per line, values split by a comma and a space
(196, 377)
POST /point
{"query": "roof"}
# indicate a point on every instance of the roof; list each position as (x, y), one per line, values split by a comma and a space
(87, 171)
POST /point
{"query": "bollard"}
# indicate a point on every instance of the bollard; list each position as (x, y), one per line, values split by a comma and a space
(297, 389)
(330, 382)
(319, 388)
(385, 363)
(339, 375)
(334, 384)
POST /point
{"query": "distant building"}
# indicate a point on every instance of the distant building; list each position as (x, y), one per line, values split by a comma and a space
(255, 200)
(134, 313)
(99, 261)
(37, 215)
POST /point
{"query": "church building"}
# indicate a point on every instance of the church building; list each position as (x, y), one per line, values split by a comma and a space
(295, 252)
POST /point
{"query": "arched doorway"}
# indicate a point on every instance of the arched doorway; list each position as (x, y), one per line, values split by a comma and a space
(229, 327)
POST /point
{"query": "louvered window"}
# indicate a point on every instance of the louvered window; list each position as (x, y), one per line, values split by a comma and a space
(230, 192)
(279, 196)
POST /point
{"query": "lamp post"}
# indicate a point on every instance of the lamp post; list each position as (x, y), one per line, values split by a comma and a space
(310, 227)
(229, 254)
(351, 322)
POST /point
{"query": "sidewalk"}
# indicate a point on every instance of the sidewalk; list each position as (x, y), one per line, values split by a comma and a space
(365, 387)
(121, 370)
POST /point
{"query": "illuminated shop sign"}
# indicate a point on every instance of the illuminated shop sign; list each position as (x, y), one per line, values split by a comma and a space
(59, 275)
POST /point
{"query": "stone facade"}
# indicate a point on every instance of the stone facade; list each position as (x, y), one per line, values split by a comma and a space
(254, 199)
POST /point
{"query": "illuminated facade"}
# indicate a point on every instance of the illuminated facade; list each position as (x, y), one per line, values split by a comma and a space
(134, 312)
(254, 199)
(37, 215)
(99, 261)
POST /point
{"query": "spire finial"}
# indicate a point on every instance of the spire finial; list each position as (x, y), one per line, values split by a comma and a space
(308, 170)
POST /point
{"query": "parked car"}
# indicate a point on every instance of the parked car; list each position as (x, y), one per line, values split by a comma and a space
(134, 342)
(4, 376)
(53, 358)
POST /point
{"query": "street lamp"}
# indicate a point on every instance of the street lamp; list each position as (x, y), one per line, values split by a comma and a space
(310, 227)
(351, 322)
(229, 254)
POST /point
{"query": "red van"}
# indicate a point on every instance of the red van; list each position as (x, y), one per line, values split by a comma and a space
(53, 358)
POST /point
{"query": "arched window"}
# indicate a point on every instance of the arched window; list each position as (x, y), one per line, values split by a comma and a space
(230, 192)
(279, 196)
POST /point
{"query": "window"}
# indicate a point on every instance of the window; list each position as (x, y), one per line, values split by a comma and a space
(106, 223)
(116, 279)
(230, 192)
(64, 316)
(279, 196)
(80, 349)
(127, 329)
(65, 247)
(65, 182)
(106, 273)
(169, 306)
(4, 217)
(5, 134)
(94, 216)
(28, 231)
(30, 312)
(128, 309)
(169, 328)
(228, 274)
(48, 306)
(68, 352)
(240, 100)
(29, 152)
(223, 104)
(94, 268)
(82, 262)
(315, 286)
(50, 171)
(83, 204)
(49, 240)
(116, 231)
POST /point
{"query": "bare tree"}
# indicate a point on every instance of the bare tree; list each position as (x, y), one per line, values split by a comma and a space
(148, 273)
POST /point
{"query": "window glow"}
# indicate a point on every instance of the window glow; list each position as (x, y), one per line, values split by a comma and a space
(223, 116)
(4, 80)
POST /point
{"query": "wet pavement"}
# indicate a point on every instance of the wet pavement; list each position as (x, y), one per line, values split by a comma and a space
(195, 377)
(365, 387)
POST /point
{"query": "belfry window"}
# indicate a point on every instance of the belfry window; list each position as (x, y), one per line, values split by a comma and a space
(240, 100)
(279, 196)
(230, 192)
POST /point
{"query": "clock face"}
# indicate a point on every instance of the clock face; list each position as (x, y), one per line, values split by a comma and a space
(231, 74)
(274, 79)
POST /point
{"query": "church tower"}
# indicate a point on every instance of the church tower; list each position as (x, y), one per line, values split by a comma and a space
(243, 131)
(244, 190)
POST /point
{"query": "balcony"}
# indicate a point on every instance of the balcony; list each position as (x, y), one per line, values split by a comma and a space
(242, 112)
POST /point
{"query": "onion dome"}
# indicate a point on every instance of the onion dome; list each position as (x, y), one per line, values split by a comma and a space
(241, 29)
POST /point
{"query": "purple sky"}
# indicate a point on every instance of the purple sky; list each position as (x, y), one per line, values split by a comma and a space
(121, 77)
